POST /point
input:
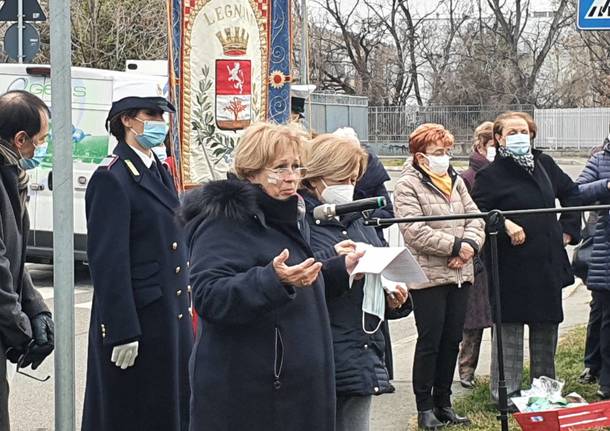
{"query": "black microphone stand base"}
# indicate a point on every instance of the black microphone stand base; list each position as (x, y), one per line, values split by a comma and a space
(494, 224)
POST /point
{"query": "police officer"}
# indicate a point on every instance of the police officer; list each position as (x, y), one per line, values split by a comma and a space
(140, 336)
(298, 95)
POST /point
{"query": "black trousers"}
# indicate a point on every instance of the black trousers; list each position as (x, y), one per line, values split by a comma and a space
(439, 316)
(593, 359)
(4, 390)
(603, 298)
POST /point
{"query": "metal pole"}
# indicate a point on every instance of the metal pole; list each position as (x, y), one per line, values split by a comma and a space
(20, 31)
(63, 216)
(495, 223)
(304, 39)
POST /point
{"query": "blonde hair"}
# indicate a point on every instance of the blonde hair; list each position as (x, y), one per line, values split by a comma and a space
(483, 134)
(334, 157)
(261, 144)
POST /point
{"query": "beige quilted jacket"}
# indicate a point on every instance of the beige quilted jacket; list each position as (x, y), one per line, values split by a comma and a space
(432, 243)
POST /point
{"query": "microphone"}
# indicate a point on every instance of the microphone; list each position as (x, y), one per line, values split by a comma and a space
(328, 211)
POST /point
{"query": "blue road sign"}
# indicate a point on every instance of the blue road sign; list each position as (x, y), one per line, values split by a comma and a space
(593, 15)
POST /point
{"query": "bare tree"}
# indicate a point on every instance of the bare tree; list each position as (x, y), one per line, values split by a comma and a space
(592, 49)
(352, 36)
(106, 33)
(438, 46)
(528, 50)
(402, 36)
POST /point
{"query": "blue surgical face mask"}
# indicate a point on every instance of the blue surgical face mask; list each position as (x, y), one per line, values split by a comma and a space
(518, 144)
(153, 134)
(39, 155)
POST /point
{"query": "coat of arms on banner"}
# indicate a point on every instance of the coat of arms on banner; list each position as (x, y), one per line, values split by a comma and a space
(233, 94)
(225, 59)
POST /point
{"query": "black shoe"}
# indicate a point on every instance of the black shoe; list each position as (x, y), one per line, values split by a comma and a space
(587, 377)
(467, 383)
(510, 406)
(603, 393)
(450, 417)
(426, 420)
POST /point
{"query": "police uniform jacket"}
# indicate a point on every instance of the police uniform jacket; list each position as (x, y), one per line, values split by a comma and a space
(139, 270)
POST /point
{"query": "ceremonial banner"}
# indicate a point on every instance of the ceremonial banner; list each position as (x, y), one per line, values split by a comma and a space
(174, 30)
(279, 61)
(225, 80)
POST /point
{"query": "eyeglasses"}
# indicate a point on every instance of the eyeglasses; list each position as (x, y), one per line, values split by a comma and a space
(284, 173)
(20, 364)
(447, 153)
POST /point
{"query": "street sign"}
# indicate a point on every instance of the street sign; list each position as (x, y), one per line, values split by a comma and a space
(31, 11)
(31, 42)
(593, 15)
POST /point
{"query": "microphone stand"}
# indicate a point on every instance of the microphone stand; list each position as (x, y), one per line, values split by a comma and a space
(494, 222)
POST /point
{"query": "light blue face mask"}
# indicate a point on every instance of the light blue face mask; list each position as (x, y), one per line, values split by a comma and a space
(153, 134)
(373, 301)
(39, 155)
(518, 144)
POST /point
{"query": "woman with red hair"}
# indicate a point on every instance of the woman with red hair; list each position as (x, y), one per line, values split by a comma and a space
(429, 186)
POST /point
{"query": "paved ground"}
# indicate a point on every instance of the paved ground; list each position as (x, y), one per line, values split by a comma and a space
(32, 402)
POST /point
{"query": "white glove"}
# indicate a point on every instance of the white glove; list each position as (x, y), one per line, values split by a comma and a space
(124, 356)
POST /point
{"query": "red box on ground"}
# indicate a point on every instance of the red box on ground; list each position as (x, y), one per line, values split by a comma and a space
(595, 415)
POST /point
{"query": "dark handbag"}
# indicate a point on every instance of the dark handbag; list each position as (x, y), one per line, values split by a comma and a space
(582, 253)
(581, 258)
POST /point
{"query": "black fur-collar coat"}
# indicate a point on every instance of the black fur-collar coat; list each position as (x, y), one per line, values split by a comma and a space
(263, 356)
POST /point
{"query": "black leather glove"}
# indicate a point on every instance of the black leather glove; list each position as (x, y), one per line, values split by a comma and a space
(13, 354)
(43, 340)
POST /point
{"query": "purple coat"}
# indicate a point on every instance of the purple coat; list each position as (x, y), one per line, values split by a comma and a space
(478, 310)
(475, 164)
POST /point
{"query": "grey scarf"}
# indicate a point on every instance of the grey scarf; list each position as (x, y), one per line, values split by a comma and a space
(9, 157)
(526, 161)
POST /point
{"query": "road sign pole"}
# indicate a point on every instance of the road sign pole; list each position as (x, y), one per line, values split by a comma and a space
(20, 32)
(63, 215)
(304, 43)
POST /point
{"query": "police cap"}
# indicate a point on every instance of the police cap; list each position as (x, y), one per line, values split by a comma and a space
(139, 92)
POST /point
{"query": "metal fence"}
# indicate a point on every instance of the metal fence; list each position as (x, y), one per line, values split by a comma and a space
(332, 111)
(389, 126)
(386, 128)
(571, 129)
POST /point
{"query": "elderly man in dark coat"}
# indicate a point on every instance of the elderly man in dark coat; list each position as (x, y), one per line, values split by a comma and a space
(26, 328)
(140, 335)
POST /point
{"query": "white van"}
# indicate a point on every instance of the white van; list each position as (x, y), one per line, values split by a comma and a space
(92, 91)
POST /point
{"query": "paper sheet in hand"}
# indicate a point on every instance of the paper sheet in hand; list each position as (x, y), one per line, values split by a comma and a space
(394, 263)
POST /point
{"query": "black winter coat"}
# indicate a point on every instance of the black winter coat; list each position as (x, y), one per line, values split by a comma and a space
(19, 300)
(594, 189)
(263, 355)
(372, 184)
(137, 258)
(532, 274)
(360, 358)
